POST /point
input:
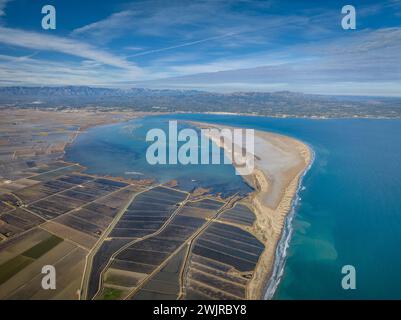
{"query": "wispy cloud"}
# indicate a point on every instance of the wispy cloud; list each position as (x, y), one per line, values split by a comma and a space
(40, 41)
(190, 23)
(108, 28)
(26, 70)
(360, 61)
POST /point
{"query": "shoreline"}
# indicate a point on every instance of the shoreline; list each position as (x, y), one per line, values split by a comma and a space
(281, 251)
(269, 231)
(217, 113)
(277, 179)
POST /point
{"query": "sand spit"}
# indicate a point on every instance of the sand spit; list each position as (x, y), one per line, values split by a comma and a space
(280, 163)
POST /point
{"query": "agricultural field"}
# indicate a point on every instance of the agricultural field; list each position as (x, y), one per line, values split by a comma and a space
(239, 214)
(54, 217)
(191, 254)
(114, 263)
(221, 263)
(203, 250)
(111, 238)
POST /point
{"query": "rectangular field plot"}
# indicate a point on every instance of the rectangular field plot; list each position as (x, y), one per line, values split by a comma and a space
(135, 254)
(83, 239)
(111, 183)
(204, 209)
(166, 283)
(34, 193)
(131, 233)
(226, 275)
(122, 278)
(106, 185)
(145, 256)
(12, 267)
(111, 293)
(101, 209)
(206, 292)
(93, 217)
(57, 185)
(76, 179)
(234, 233)
(222, 262)
(80, 225)
(174, 232)
(41, 248)
(240, 214)
(132, 266)
(167, 193)
(57, 173)
(78, 196)
(240, 264)
(228, 287)
(52, 207)
(116, 199)
(20, 219)
(4, 207)
(229, 250)
(207, 204)
(88, 190)
(245, 246)
(48, 167)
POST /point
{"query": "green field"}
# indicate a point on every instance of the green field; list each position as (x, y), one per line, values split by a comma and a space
(12, 267)
(41, 248)
(111, 294)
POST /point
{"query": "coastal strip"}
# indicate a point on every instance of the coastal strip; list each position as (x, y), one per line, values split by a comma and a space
(280, 164)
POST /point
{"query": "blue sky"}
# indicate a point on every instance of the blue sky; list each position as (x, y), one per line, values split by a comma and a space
(209, 45)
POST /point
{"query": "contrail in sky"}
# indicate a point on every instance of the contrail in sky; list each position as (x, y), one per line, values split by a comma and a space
(181, 45)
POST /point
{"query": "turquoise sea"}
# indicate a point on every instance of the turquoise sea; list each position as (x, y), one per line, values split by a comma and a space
(349, 211)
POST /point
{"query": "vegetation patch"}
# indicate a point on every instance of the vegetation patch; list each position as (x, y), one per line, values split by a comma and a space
(42, 247)
(12, 267)
(111, 294)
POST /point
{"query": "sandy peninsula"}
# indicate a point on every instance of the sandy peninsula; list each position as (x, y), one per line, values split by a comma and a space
(280, 162)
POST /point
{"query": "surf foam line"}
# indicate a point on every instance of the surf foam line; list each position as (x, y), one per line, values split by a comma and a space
(280, 256)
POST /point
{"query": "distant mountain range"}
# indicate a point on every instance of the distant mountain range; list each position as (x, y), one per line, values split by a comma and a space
(283, 103)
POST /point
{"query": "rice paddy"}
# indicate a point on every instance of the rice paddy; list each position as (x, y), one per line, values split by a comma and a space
(138, 241)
